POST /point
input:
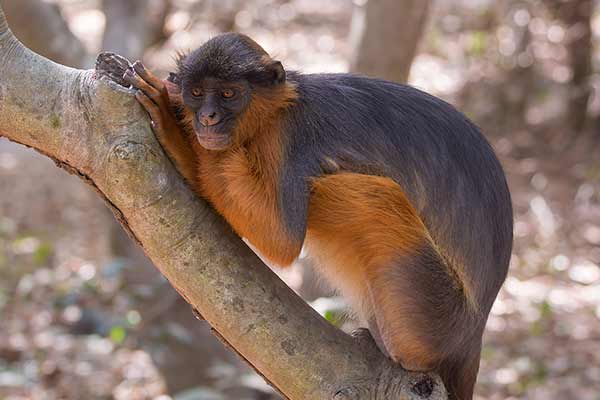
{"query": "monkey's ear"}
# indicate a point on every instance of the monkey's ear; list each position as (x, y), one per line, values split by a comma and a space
(276, 72)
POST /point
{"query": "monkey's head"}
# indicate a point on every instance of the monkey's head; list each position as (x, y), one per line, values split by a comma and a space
(219, 83)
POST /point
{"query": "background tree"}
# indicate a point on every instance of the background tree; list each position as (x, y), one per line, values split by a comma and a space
(134, 25)
(577, 16)
(385, 36)
(40, 26)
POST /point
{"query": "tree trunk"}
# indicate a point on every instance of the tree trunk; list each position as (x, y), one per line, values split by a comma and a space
(41, 27)
(577, 16)
(95, 129)
(133, 25)
(385, 36)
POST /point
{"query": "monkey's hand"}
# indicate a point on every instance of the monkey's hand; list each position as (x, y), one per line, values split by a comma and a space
(153, 95)
(157, 97)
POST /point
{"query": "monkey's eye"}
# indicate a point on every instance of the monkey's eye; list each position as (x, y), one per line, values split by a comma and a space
(196, 92)
(227, 93)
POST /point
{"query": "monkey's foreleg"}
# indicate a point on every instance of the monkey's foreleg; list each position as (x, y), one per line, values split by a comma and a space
(153, 95)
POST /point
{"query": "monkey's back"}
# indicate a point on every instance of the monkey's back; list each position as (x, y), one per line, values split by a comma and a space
(445, 166)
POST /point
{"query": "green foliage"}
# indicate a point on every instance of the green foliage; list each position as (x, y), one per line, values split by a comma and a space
(477, 43)
(546, 310)
(117, 334)
(332, 317)
(42, 253)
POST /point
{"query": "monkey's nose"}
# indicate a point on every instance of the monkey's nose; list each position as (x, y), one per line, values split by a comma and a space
(209, 118)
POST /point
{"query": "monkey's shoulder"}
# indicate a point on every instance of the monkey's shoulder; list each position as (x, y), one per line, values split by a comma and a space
(364, 112)
(324, 91)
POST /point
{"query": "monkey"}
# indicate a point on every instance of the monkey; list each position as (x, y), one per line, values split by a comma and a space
(396, 195)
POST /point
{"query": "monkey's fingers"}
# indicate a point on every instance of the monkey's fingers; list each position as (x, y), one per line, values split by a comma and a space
(153, 110)
(155, 82)
(149, 77)
(137, 82)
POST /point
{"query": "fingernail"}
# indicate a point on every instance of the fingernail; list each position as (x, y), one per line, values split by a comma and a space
(138, 66)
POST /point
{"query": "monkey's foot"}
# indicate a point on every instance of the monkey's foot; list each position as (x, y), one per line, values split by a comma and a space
(411, 385)
(366, 340)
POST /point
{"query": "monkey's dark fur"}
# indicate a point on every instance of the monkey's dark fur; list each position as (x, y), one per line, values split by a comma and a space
(432, 194)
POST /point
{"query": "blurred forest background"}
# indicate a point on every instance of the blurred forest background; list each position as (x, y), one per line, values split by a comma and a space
(83, 314)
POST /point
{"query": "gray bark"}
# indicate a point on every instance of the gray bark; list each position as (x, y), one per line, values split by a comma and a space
(133, 25)
(41, 27)
(95, 129)
(385, 36)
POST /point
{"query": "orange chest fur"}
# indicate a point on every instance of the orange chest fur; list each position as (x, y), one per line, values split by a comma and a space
(242, 185)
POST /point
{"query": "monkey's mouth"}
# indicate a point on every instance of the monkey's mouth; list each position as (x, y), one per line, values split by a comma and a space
(212, 137)
(211, 140)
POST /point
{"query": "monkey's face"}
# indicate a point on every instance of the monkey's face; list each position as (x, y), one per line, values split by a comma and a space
(218, 82)
(216, 104)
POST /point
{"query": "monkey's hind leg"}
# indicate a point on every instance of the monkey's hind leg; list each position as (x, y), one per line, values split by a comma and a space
(375, 249)
(421, 313)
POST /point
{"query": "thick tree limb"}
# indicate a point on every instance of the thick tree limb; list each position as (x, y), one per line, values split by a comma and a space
(94, 128)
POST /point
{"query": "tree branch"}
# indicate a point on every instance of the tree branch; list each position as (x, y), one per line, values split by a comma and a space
(95, 128)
